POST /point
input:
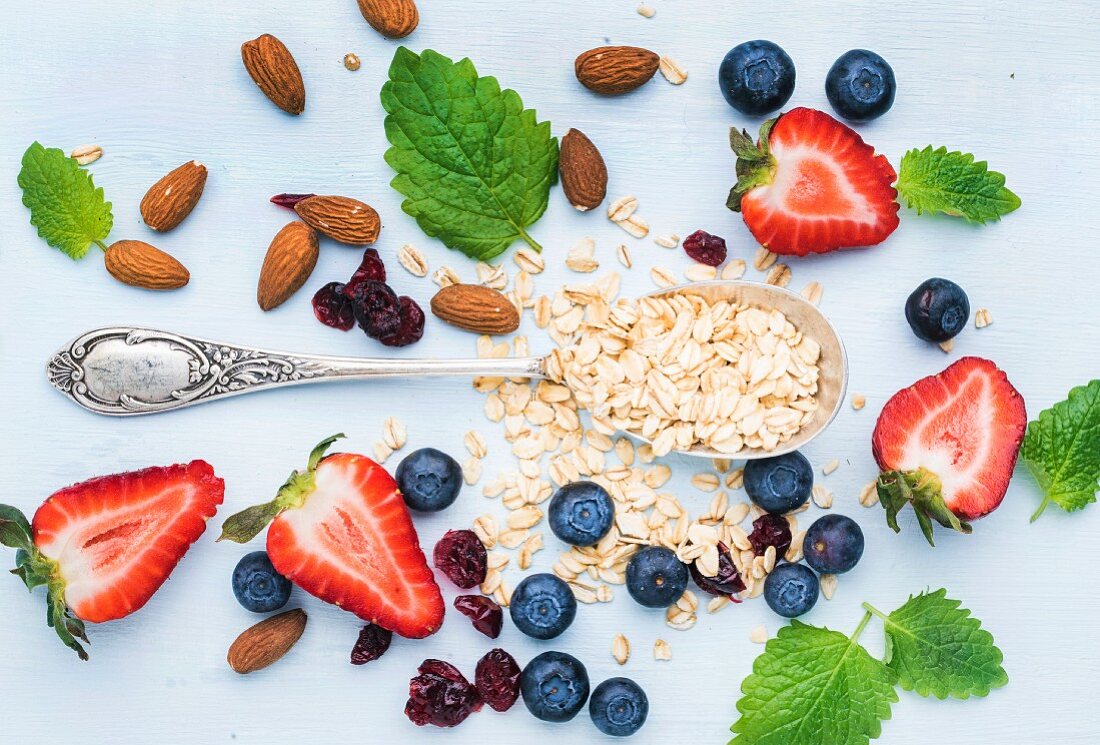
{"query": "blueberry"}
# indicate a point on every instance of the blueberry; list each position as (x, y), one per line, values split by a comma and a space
(429, 480)
(542, 606)
(618, 707)
(780, 484)
(554, 686)
(860, 86)
(937, 310)
(756, 77)
(833, 544)
(791, 590)
(655, 578)
(258, 587)
(581, 513)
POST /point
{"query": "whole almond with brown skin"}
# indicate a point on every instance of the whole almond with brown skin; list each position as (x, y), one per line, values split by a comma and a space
(394, 19)
(274, 70)
(476, 308)
(341, 218)
(614, 70)
(138, 264)
(583, 172)
(290, 260)
(172, 198)
(265, 643)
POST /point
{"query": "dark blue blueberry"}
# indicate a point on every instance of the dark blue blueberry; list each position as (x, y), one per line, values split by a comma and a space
(257, 585)
(756, 77)
(937, 310)
(833, 544)
(542, 606)
(860, 86)
(554, 686)
(655, 578)
(618, 707)
(780, 484)
(791, 590)
(581, 513)
(429, 480)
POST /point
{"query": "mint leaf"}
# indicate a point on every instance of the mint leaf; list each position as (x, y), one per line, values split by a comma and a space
(1062, 450)
(813, 686)
(66, 207)
(475, 166)
(938, 649)
(952, 183)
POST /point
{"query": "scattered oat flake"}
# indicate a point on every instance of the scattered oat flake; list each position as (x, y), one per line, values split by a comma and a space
(947, 346)
(858, 401)
(623, 254)
(868, 496)
(813, 292)
(475, 443)
(529, 261)
(830, 466)
(662, 651)
(759, 634)
(394, 434)
(635, 225)
(471, 471)
(86, 154)
(620, 649)
(352, 61)
(667, 240)
(382, 451)
(671, 70)
(780, 275)
(822, 497)
(662, 277)
(763, 259)
(646, 11)
(622, 208)
(700, 272)
(982, 318)
(735, 269)
(445, 276)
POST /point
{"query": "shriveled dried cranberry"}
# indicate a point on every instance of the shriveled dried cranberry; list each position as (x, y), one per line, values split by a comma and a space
(440, 695)
(371, 268)
(497, 679)
(770, 530)
(461, 555)
(376, 309)
(412, 324)
(705, 248)
(728, 580)
(289, 200)
(372, 643)
(484, 612)
(333, 308)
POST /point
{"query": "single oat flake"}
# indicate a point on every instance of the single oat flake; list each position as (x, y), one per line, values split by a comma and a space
(671, 70)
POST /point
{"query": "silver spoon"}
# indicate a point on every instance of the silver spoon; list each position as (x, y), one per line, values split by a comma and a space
(127, 371)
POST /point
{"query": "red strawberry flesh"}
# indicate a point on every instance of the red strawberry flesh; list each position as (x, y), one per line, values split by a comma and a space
(352, 543)
(963, 427)
(824, 188)
(117, 538)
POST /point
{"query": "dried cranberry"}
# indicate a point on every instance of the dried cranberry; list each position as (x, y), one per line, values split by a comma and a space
(486, 614)
(371, 268)
(372, 643)
(376, 309)
(770, 530)
(497, 679)
(462, 557)
(705, 248)
(333, 308)
(728, 580)
(412, 324)
(289, 200)
(440, 695)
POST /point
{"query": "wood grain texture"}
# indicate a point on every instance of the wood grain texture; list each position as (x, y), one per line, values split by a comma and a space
(155, 89)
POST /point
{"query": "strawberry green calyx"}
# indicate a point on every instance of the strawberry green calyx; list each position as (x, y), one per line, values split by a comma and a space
(923, 490)
(247, 524)
(36, 570)
(755, 163)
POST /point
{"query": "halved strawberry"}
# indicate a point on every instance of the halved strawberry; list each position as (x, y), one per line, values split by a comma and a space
(340, 530)
(812, 185)
(104, 546)
(948, 444)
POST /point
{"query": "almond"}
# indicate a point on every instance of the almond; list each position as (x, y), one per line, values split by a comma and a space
(341, 218)
(583, 172)
(610, 71)
(289, 262)
(476, 308)
(265, 643)
(394, 19)
(273, 68)
(138, 264)
(172, 198)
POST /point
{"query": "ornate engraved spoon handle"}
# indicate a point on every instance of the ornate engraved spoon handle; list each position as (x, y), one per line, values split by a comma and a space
(130, 371)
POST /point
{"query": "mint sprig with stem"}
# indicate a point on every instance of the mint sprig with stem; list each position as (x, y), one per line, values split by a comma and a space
(814, 685)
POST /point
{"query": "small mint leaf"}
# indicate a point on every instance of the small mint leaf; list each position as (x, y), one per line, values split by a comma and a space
(66, 207)
(954, 184)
